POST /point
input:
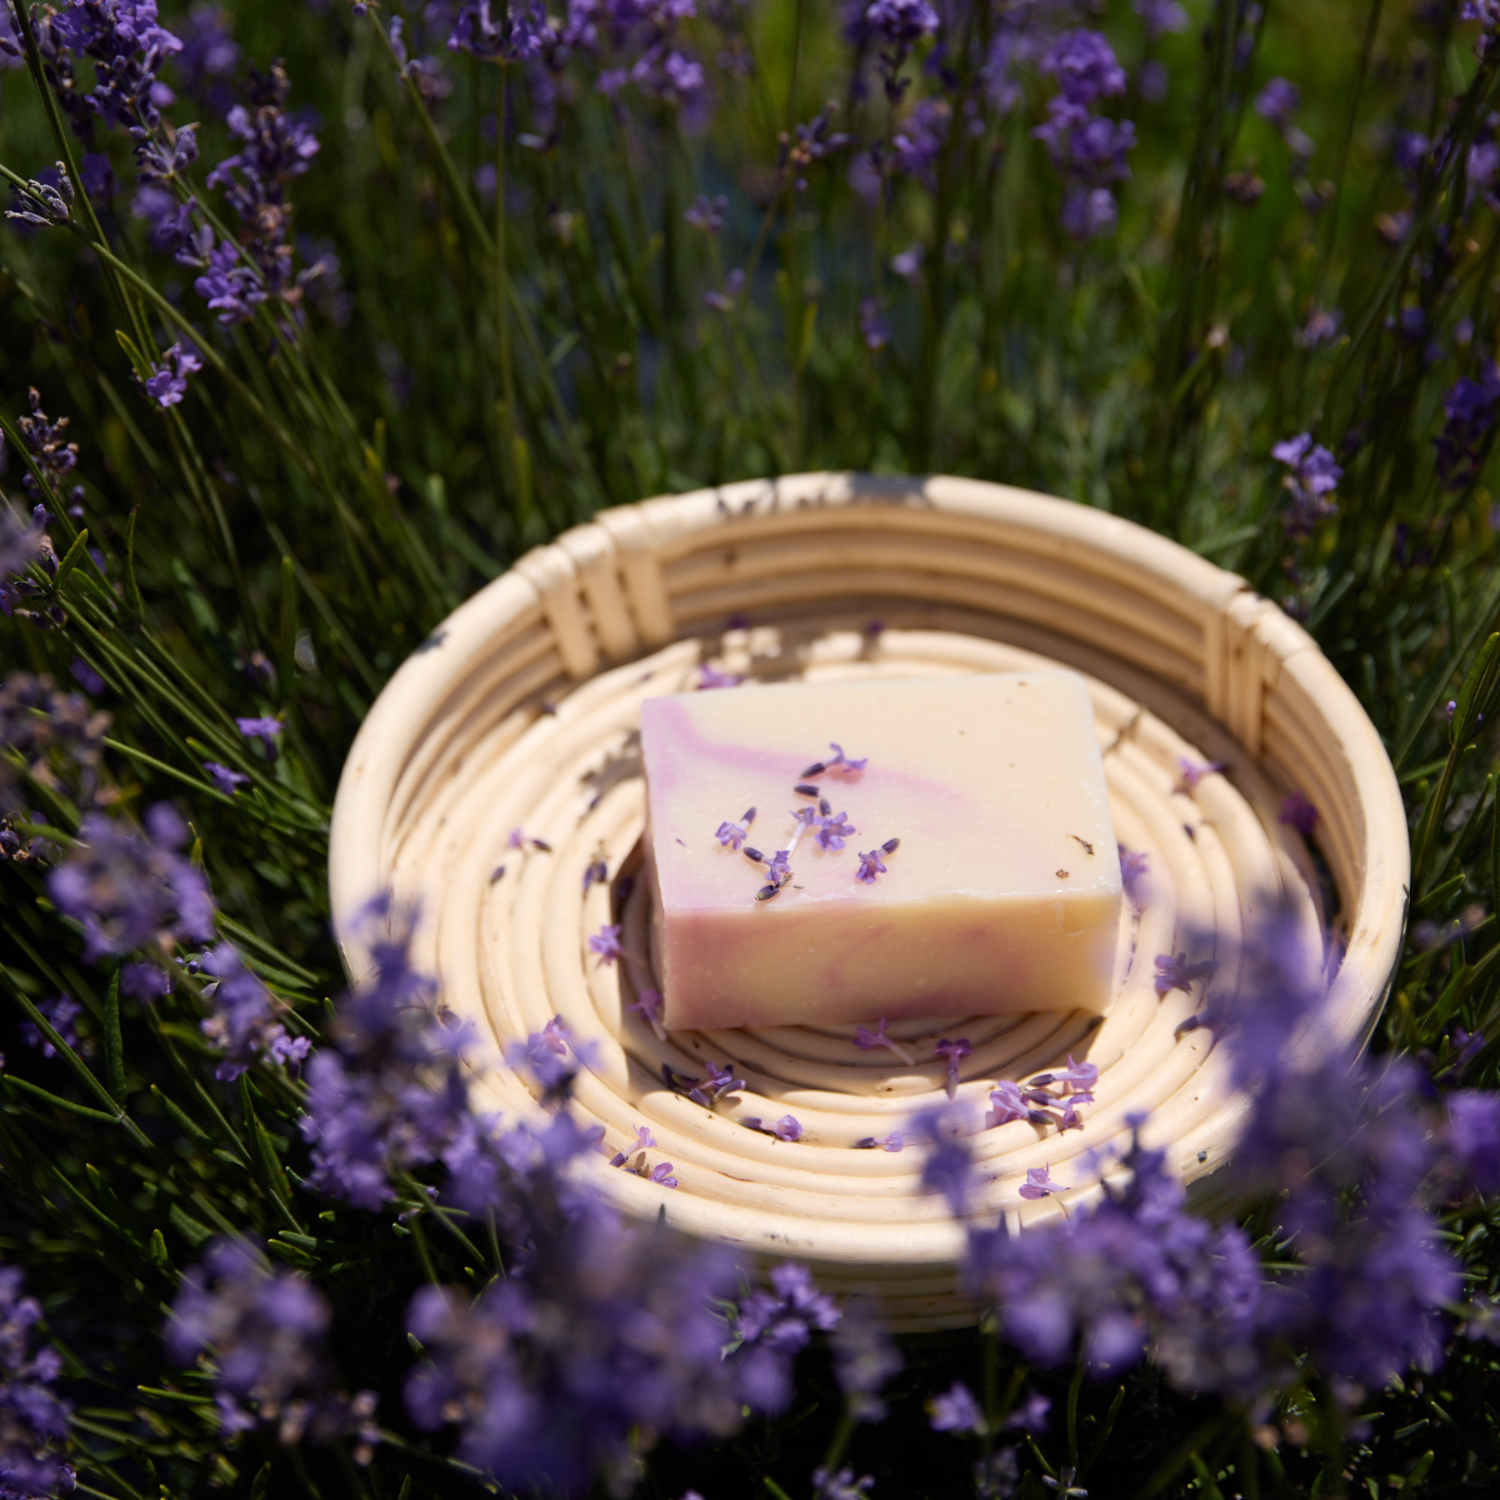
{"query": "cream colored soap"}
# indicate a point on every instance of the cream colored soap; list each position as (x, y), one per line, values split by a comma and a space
(1003, 894)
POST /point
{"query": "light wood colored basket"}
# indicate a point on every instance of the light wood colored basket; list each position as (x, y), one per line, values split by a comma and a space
(522, 710)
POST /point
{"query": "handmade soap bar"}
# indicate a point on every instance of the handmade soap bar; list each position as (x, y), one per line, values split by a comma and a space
(919, 847)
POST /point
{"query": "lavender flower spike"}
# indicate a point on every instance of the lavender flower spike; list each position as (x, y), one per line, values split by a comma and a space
(33, 1421)
(1310, 480)
(167, 383)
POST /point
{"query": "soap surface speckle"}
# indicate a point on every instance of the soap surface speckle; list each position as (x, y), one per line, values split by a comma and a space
(991, 903)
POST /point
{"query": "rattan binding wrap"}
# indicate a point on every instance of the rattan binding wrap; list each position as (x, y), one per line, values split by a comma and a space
(521, 711)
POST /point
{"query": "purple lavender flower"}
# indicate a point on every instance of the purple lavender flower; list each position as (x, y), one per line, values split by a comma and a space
(872, 327)
(389, 1094)
(128, 892)
(167, 383)
(1088, 213)
(733, 835)
(772, 1326)
(1134, 1265)
(209, 57)
(44, 440)
(264, 1328)
(915, 149)
(1077, 1076)
(12, 49)
(1009, 1103)
(61, 1012)
(870, 865)
(230, 287)
(715, 1084)
(600, 1334)
(834, 830)
(864, 1360)
(908, 264)
(500, 32)
(644, 1141)
(788, 1128)
(1469, 408)
(169, 223)
(128, 48)
(33, 1420)
(1039, 1183)
(606, 943)
(20, 541)
(1322, 327)
(1031, 1414)
(1310, 480)
(1158, 17)
(707, 213)
(1191, 772)
(43, 203)
(844, 765)
(892, 1142)
(710, 677)
(841, 1485)
(1473, 1138)
(953, 1052)
(816, 141)
(1297, 812)
(1176, 973)
(902, 23)
(867, 1040)
(956, 1411)
(948, 1167)
(266, 730)
(58, 736)
(1277, 102)
(1089, 150)
(1085, 67)
(243, 1023)
(648, 1006)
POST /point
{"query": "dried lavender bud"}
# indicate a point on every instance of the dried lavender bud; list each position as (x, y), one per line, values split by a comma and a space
(815, 769)
(890, 846)
(754, 854)
(825, 806)
(803, 789)
(766, 892)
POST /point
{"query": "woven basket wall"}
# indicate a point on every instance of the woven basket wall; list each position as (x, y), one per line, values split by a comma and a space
(522, 710)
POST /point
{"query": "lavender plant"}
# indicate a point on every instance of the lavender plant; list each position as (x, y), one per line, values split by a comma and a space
(313, 318)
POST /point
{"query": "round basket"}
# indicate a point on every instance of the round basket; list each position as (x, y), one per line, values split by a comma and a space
(522, 711)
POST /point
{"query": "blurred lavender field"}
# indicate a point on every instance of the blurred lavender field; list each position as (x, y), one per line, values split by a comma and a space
(313, 318)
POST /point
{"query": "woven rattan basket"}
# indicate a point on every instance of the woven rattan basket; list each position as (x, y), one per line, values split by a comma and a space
(522, 711)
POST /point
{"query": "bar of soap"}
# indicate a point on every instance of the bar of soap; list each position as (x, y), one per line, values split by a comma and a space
(1003, 894)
